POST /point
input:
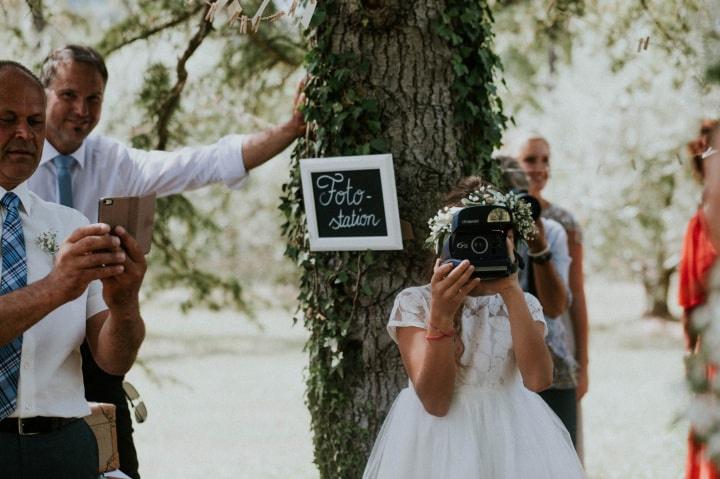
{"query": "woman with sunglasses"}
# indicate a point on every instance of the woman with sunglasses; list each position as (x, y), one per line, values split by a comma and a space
(711, 166)
(698, 256)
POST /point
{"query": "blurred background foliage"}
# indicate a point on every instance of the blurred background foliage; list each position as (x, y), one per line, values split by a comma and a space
(176, 80)
(618, 87)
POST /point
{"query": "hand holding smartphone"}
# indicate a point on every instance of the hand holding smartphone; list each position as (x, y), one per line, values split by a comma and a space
(134, 213)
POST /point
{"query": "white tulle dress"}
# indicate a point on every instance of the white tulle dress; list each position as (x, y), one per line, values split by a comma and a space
(495, 428)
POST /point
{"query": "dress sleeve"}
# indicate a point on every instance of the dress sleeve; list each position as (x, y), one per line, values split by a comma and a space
(410, 310)
(536, 310)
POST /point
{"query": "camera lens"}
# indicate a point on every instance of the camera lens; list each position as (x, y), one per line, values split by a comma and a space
(479, 245)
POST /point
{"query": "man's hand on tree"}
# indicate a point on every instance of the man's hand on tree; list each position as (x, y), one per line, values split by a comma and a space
(297, 120)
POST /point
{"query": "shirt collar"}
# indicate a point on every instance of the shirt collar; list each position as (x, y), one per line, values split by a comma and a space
(50, 152)
(23, 192)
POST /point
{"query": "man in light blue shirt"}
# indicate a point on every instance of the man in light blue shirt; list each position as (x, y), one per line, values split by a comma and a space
(78, 168)
(51, 299)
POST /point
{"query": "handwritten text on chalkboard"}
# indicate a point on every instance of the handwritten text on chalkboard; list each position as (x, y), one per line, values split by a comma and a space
(349, 203)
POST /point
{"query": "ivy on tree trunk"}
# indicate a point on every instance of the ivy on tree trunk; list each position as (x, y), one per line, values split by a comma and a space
(416, 79)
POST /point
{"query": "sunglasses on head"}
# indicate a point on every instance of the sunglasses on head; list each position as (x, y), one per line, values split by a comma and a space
(136, 402)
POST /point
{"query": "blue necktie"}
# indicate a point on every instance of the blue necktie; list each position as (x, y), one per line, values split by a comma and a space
(14, 276)
(63, 165)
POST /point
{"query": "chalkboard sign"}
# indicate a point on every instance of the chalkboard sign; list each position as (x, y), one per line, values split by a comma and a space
(351, 203)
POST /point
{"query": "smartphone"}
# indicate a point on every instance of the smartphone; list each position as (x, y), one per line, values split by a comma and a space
(134, 213)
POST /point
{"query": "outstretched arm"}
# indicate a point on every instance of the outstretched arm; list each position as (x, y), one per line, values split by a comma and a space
(260, 147)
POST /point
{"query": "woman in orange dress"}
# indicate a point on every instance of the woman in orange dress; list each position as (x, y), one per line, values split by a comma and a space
(698, 256)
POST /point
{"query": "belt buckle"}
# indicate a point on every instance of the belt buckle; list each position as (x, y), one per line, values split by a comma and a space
(21, 429)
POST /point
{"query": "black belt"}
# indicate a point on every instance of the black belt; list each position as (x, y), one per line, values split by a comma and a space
(31, 426)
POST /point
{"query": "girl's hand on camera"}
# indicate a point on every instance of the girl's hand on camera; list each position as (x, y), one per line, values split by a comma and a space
(449, 287)
(509, 283)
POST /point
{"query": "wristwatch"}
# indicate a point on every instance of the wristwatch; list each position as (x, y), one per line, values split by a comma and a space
(541, 258)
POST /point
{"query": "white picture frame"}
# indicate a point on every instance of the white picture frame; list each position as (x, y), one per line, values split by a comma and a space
(383, 163)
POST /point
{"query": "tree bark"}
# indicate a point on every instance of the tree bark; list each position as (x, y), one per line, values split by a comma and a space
(404, 66)
(656, 282)
(415, 79)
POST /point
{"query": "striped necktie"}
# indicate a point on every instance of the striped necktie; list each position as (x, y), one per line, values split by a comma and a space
(63, 165)
(14, 276)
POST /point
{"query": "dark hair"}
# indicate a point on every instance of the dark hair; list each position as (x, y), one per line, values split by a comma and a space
(5, 64)
(513, 176)
(462, 189)
(76, 53)
(696, 147)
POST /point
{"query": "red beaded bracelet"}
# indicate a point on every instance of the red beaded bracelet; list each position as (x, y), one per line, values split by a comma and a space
(440, 336)
(442, 331)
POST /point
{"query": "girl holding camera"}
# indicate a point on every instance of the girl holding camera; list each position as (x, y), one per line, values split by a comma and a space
(475, 355)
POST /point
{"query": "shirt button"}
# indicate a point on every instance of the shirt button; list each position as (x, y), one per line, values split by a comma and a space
(28, 407)
(26, 366)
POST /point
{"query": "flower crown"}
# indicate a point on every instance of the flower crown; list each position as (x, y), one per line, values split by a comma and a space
(522, 220)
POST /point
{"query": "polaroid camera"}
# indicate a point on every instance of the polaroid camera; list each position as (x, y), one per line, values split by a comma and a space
(479, 234)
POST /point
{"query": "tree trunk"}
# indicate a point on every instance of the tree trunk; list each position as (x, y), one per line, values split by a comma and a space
(410, 77)
(384, 79)
(656, 281)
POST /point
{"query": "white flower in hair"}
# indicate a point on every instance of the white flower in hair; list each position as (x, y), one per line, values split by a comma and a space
(441, 223)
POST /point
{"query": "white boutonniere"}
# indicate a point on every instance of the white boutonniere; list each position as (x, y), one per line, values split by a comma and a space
(48, 242)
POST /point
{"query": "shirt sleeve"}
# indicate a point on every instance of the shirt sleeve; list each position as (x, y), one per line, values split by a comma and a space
(410, 310)
(574, 227)
(557, 241)
(567, 220)
(95, 302)
(166, 173)
(536, 311)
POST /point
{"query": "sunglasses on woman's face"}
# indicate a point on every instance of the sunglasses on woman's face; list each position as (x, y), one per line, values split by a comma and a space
(709, 152)
(136, 402)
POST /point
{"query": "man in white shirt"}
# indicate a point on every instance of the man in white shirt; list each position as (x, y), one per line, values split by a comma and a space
(77, 169)
(51, 299)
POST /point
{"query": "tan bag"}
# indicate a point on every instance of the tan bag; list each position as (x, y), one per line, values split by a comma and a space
(102, 422)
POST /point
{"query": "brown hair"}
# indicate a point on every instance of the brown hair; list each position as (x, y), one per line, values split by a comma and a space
(76, 53)
(708, 130)
(462, 190)
(513, 176)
